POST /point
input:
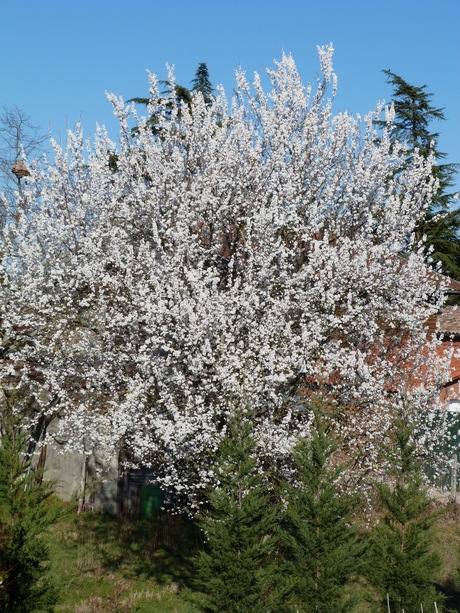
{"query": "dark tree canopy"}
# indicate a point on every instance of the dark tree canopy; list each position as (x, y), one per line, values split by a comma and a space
(201, 82)
(179, 94)
(414, 116)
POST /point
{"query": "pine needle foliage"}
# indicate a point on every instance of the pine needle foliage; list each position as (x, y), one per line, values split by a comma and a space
(322, 548)
(238, 568)
(202, 83)
(26, 512)
(403, 566)
(178, 95)
(414, 114)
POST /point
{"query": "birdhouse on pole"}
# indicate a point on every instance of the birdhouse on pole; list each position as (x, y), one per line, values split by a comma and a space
(20, 169)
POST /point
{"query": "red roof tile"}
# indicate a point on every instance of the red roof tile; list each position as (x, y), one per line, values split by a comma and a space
(448, 322)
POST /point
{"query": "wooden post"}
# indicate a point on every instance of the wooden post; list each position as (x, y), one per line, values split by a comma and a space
(82, 497)
(453, 478)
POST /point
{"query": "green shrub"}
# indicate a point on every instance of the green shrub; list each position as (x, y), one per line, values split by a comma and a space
(403, 565)
(26, 511)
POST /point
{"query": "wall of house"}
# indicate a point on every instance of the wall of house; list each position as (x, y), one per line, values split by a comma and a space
(92, 480)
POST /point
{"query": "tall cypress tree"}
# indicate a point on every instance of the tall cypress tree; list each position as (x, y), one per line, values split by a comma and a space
(414, 114)
(403, 566)
(321, 546)
(237, 570)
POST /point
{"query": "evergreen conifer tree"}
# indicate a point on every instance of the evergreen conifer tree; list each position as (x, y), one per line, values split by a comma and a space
(201, 82)
(321, 546)
(403, 566)
(414, 114)
(180, 94)
(238, 568)
(26, 512)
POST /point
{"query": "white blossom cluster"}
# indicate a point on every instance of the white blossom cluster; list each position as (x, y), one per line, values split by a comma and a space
(238, 260)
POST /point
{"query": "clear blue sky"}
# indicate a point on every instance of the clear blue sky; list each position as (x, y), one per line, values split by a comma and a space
(58, 57)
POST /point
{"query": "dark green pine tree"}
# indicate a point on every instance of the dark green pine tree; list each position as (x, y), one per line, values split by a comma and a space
(237, 569)
(414, 114)
(173, 94)
(26, 512)
(201, 82)
(403, 566)
(179, 95)
(321, 546)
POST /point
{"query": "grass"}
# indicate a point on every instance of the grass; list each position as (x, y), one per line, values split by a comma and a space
(105, 565)
(447, 544)
(102, 565)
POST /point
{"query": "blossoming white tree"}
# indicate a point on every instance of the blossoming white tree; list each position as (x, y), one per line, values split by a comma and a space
(238, 260)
